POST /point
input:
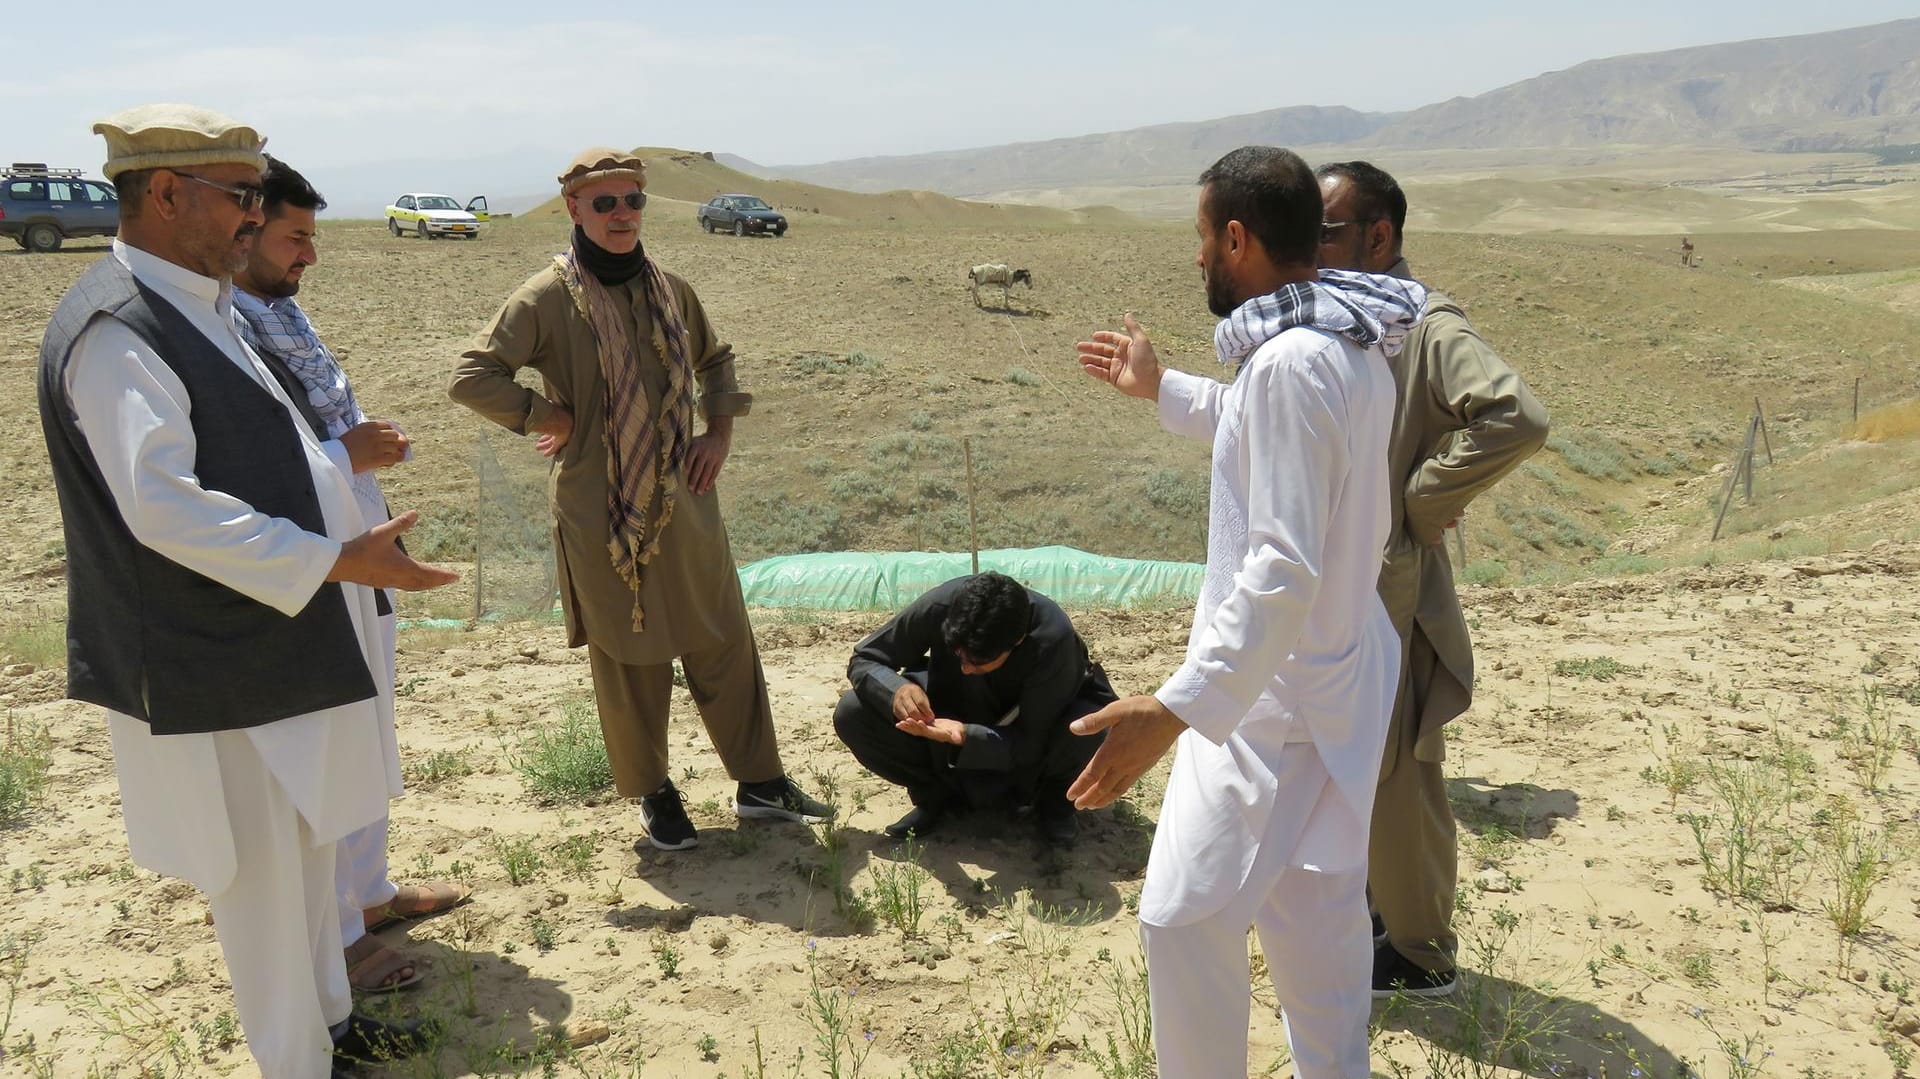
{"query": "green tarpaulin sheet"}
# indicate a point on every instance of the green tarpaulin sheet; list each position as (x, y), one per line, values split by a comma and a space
(875, 581)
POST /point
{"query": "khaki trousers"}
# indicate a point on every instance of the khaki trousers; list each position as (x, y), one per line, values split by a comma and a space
(729, 689)
(1413, 857)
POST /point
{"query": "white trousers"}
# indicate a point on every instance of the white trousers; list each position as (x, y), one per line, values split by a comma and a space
(278, 923)
(1319, 949)
(360, 878)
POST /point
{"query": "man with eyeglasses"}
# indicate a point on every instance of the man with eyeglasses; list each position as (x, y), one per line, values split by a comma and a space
(221, 586)
(626, 358)
(1464, 419)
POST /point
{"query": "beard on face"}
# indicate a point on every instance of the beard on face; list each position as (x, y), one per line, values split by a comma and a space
(219, 253)
(282, 284)
(1222, 297)
(1350, 255)
(222, 254)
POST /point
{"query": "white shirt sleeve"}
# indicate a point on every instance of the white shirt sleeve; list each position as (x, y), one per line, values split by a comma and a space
(133, 411)
(1190, 404)
(1294, 453)
(336, 452)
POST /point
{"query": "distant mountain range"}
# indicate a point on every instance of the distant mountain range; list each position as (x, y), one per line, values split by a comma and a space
(1844, 89)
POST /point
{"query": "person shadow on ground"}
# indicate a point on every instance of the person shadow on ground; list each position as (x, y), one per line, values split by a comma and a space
(489, 1013)
(1531, 1030)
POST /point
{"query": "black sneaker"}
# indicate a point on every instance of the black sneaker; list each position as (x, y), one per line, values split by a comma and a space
(1394, 975)
(367, 1040)
(1059, 822)
(1379, 930)
(920, 822)
(664, 813)
(782, 799)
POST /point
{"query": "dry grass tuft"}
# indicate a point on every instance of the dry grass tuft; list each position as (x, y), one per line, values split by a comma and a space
(1895, 421)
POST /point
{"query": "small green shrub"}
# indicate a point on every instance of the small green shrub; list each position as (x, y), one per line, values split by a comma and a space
(1180, 493)
(568, 763)
(25, 757)
(1600, 669)
(1489, 573)
(1591, 453)
(767, 524)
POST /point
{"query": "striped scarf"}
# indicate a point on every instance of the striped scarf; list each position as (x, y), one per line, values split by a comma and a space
(1367, 309)
(645, 453)
(281, 327)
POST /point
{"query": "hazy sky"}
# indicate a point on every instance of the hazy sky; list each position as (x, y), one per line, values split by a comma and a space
(357, 86)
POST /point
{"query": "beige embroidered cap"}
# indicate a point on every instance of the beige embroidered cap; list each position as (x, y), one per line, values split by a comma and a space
(601, 163)
(177, 136)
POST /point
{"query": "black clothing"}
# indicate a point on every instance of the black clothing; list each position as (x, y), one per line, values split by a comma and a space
(606, 267)
(146, 636)
(1018, 749)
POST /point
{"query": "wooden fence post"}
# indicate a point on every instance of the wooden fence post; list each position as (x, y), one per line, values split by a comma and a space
(1742, 463)
(973, 516)
(479, 516)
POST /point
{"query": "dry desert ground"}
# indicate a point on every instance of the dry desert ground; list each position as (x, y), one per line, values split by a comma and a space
(1687, 787)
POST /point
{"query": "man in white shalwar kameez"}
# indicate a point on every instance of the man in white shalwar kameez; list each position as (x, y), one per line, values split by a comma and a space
(1281, 706)
(276, 328)
(204, 624)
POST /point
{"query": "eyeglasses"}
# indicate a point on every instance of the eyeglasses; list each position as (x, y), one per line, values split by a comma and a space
(1328, 228)
(604, 204)
(247, 195)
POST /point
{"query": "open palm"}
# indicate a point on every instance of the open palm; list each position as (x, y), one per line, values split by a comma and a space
(1125, 361)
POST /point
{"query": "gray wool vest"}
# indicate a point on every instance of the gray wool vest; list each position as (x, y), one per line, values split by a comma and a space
(145, 635)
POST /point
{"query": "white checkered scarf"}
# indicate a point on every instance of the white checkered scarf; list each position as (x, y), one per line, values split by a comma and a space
(645, 453)
(1368, 309)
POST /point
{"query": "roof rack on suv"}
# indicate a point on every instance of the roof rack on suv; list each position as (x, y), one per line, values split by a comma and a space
(39, 170)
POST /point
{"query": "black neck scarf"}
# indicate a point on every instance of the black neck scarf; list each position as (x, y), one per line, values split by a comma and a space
(606, 267)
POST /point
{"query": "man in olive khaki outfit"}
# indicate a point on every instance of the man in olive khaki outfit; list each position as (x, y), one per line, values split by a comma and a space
(627, 357)
(1464, 420)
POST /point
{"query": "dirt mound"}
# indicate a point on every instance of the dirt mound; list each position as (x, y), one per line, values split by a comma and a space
(694, 178)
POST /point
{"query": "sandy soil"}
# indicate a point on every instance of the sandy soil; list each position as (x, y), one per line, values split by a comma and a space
(1610, 936)
(1610, 713)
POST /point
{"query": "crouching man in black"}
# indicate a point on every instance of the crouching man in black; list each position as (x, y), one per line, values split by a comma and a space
(964, 698)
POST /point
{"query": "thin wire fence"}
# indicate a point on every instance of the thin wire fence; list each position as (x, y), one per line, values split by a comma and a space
(513, 569)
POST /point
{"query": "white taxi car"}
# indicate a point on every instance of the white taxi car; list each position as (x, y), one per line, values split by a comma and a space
(430, 217)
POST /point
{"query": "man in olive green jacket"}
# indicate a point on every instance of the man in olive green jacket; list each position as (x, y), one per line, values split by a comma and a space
(1464, 420)
(628, 365)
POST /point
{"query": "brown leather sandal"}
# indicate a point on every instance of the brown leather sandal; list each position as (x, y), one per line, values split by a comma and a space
(372, 967)
(418, 901)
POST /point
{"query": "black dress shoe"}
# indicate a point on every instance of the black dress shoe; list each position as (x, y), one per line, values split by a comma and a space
(367, 1040)
(1059, 823)
(920, 822)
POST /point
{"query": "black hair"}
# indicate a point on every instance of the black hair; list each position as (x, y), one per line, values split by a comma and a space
(988, 616)
(1376, 195)
(285, 187)
(130, 187)
(1274, 196)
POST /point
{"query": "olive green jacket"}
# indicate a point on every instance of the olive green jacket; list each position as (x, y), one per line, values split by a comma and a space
(1464, 419)
(689, 591)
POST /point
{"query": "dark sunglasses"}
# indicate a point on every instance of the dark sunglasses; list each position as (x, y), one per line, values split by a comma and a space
(604, 204)
(247, 195)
